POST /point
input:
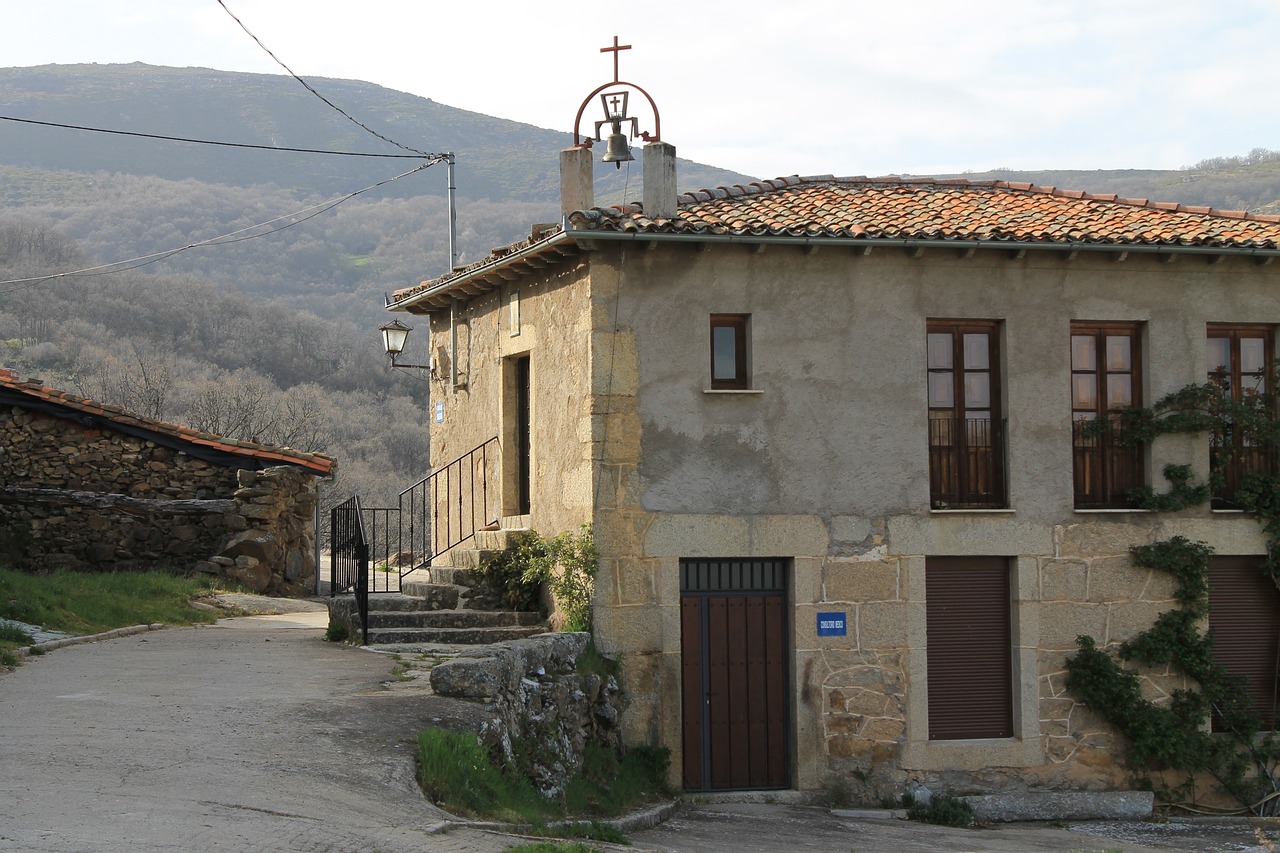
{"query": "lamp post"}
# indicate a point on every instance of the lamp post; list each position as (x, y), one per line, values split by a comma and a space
(394, 335)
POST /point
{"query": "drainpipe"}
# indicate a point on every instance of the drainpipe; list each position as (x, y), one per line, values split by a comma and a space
(453, 343)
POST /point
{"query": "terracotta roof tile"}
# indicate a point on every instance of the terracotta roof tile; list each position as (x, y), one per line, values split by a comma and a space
(896, 208)
(316, 462)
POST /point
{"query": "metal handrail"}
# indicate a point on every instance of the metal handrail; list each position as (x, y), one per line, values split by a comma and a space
(445, 508)
(436, 514)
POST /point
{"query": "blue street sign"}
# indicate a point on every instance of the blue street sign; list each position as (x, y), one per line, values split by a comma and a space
(832, 624)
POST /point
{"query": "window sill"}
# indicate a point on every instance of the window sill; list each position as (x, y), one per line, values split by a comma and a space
(732, 391)
(960, 510)
(1112, 511)
(1225, 511)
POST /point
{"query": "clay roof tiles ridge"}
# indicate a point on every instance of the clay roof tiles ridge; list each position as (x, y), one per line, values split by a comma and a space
(37, 391)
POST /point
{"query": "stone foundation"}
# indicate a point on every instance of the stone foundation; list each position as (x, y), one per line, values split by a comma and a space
(543, 712)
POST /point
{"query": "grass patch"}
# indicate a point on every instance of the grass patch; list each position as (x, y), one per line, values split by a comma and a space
(89, 603)
(610, 786)
(455, 772)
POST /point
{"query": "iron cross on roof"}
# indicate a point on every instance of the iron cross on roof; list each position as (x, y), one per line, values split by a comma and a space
(615, 50)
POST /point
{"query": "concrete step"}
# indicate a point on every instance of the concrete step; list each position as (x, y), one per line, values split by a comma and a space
(454, 619)
(460, 636)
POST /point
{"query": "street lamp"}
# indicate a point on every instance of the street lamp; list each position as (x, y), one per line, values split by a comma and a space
(394, 334)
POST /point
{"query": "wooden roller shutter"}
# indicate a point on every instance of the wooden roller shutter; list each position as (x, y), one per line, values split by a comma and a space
(969, 648)
(1244, 617)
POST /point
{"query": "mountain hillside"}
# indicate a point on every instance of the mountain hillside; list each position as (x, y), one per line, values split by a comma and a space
(1250, 182)
(272, 331)
(496, 158)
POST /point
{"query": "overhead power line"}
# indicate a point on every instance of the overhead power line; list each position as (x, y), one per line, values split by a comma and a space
(312, 90)
(213, 141)
(237, 236)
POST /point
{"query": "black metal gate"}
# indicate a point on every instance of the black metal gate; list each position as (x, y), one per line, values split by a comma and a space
(349, 557)
(372, 549)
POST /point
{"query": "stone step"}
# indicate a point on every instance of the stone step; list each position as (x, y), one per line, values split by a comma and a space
(496, 540)
(343, 607)
(454, 619)
(431, 591)
(459, 636)
(455, 576)
(463, 558)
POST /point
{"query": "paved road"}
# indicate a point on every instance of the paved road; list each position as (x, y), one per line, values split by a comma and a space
(254, 735)
(750, 828)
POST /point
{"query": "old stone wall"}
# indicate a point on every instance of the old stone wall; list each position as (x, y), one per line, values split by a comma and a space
(72, 497)
(543, 712)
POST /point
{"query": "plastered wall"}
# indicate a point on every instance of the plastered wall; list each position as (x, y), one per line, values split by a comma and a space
(825, 462)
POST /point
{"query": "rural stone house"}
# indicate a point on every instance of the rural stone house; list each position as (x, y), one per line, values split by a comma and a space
(89, 485)
(827, 432)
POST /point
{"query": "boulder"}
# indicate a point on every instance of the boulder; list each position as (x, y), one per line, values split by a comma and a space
(253, 543)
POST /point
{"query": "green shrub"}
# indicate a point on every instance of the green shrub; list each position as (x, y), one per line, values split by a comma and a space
(565, 563)
(508, 571)
(568, 565)
(942, 810)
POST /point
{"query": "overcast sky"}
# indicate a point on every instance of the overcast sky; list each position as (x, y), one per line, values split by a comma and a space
(840, 87)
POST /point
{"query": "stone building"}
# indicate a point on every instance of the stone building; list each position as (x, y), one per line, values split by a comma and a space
(91, 486)
(827, 432)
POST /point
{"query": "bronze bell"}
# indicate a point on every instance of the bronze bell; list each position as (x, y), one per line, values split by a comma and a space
(617, 150)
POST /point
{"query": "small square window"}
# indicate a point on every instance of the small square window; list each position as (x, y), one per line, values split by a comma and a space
(729, 351)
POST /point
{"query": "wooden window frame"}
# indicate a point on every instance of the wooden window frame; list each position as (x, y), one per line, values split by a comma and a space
(967, 456)
(740, 324)
(1105, 467)
(1229, 455)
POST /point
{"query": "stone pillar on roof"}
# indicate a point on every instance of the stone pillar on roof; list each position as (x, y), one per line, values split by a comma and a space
(660, 180)
(577, 191)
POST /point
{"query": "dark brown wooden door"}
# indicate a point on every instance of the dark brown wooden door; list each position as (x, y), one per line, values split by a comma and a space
(523, 437)
(734, 675)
